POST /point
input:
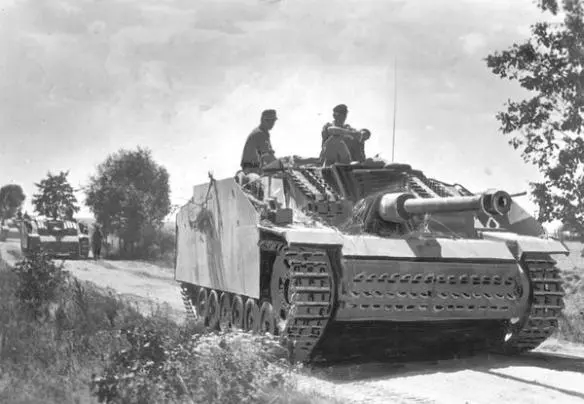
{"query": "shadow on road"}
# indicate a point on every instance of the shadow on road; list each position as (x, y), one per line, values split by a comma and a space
(484, 363)
(536, 383)
(442, 363)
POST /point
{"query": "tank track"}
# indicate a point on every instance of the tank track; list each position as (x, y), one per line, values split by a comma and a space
(313, 295)
(312, 335)
(546, 305)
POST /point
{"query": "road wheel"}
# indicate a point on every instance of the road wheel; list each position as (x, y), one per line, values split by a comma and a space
(237, 315)
(267, 320)
(224, 312)
(212, 314)
(252, 316)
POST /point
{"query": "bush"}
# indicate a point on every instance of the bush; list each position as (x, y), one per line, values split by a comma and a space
(97, 347)
(157, 245)
(223, 368)
(40, 283)
(51, 361)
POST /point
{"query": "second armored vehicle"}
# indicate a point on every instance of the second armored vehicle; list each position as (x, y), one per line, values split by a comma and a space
(56, 237)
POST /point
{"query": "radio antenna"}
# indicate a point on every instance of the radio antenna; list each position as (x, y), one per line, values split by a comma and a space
(394, 108)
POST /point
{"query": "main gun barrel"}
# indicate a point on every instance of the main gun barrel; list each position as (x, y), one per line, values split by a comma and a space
(399, 207)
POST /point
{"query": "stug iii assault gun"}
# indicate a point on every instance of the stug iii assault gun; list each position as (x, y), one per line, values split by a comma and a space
(369, 259)
(9, 228)
(58, 238)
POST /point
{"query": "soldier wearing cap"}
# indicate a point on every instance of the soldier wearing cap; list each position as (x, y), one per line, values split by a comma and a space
(340, 142)
(258, 150)
(257, 153)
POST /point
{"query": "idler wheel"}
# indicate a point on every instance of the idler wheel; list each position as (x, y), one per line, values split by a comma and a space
(224, 312)
(212, 315)
(202, 303)
(237, 315)
(267, 320)
(252, 316)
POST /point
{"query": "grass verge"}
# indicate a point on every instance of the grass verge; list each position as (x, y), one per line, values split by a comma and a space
(66, 341)
(571, 327)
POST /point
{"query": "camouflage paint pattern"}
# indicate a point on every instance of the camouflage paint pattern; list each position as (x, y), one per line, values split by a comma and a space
(217, 239)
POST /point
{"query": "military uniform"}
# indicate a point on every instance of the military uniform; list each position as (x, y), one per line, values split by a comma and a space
(347, 144)
(257, 151)
(334, 148)
(356, 146)
(96, 241)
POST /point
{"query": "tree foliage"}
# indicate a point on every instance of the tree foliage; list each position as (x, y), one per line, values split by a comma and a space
(55, 198)
(547, 127)
(11, 199)
(130, 195)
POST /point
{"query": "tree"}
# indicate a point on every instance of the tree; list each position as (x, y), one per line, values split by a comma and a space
(56, 198)
(11, 200)
(547, 127)
(129, 196)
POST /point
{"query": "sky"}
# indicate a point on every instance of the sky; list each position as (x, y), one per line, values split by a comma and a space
(81, 79)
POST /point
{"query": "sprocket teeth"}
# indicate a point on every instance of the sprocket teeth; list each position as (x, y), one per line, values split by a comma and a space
(304, 328)
(546, 307)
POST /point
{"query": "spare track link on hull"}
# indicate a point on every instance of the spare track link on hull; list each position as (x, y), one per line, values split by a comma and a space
(546, 305)
(312, 291)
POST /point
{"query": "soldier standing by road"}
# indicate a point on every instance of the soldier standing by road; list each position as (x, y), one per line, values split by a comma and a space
(96, 241)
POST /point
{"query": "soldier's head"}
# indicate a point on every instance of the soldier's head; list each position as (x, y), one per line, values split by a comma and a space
(268, 119)
(340, 113)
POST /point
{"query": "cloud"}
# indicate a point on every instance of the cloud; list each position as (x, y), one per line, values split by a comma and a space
(473, 42)
(82, 78)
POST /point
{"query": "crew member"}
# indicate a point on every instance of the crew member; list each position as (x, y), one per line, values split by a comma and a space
(258, 150)
(340, 142)
(257, 153)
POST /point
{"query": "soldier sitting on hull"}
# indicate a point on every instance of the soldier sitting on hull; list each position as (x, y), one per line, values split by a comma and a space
(257, 152)
(340, 142)
(258, 149)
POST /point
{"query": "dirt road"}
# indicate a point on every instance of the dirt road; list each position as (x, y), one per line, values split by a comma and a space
(539, 377)
(145, 284)
(552, 374)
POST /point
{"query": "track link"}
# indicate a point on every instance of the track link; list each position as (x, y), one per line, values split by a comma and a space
(546, 305)
(311, 296)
